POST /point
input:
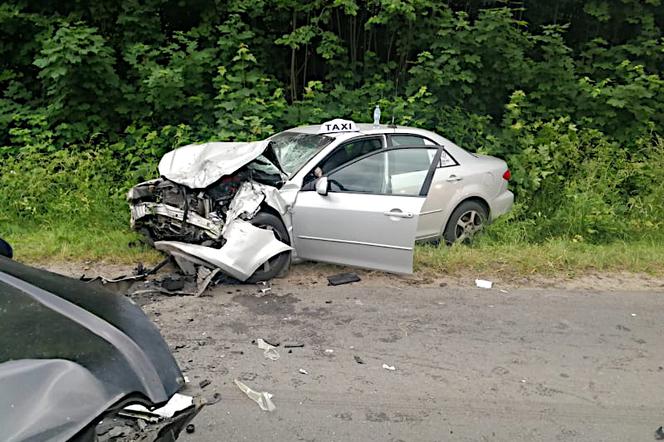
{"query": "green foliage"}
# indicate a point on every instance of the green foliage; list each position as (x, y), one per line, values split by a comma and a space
(78, 78)
(569, 93)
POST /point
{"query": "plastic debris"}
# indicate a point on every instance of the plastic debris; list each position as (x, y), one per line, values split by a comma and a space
(293, 345)
(263, 399)
(190, 428)
(633, 315)
(176, 404)
(483, 283)
(264, 287)
(389, 367)
(358, 359)
(269, 351)
(204, 383)
(303, 371)
(329, 351)
(343, 278)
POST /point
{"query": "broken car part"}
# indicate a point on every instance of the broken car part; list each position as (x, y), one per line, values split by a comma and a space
(263, 399)
(98, 353)
(343, 278)
(247, 248)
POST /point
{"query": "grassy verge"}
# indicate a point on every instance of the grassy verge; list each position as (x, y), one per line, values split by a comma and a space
(68, 243)
(555, 258)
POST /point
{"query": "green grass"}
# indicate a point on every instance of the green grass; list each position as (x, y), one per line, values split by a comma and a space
(44, 244)
(554, 258)
(59, 243)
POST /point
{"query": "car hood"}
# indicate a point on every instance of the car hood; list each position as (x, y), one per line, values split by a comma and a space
(199, 165)
(70, 351)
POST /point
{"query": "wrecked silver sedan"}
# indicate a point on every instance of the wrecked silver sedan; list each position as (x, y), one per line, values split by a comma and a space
(340, 192)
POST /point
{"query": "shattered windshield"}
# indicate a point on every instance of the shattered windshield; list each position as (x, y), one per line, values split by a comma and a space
(295, 149)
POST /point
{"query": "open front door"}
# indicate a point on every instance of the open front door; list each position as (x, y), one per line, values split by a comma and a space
(369, 216)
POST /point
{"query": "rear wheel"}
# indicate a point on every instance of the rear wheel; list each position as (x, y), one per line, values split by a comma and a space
(278, 263)
(466, 221)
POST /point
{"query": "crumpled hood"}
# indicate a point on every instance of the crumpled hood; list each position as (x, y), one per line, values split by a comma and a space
(199, 165)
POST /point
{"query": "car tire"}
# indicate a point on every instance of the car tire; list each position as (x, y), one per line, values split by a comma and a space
(466, 220)
(278, 263)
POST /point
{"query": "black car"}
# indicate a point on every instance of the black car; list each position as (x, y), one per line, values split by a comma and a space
(72, 354)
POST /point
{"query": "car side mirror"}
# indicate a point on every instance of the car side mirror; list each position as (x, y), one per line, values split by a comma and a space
(6, 249)
(322, 186)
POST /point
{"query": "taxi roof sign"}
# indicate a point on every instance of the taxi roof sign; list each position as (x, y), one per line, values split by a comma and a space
(337, 125)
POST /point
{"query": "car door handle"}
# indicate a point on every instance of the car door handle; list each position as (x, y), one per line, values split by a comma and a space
(453, 178)
(398, 213)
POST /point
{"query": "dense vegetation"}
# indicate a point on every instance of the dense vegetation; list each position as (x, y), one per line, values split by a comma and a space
(569, 92)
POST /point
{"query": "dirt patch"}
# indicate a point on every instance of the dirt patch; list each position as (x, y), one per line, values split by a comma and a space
(270, 304)
(315, 275)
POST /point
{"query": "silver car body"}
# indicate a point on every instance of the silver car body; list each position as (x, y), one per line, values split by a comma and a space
(379, 231)
(364, 228)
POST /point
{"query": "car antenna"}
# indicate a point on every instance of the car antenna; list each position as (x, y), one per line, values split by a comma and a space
(392, 125)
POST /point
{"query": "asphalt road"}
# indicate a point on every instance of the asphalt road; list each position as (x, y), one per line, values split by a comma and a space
(470, 364)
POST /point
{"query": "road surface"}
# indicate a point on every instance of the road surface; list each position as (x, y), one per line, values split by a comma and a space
(470, 364)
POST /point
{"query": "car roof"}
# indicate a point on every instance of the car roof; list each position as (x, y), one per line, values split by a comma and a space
(369, 129)
(364, 129)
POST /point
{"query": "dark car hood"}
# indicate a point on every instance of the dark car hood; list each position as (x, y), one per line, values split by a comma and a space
(69, 351)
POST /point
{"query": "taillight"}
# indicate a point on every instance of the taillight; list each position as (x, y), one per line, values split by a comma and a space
(507, 175)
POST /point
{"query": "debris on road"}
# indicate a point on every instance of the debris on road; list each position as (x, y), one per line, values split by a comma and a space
(173, 283)
(214, 399)
(358, 359)
(329, 351)
(264, 287)
(389, 367)
(343, 278)
(303, 371)
(293, 345)
(659, 433)
(176, 404)
(263, 399)
(483, 283)
(270, 351)
(204, 383)
(190, 428)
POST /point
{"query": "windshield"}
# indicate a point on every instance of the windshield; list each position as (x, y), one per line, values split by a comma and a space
(295, 149)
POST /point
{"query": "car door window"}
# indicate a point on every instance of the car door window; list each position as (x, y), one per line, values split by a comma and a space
(410, 140)
(391, 172)
(348, 152)
(446, 160)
